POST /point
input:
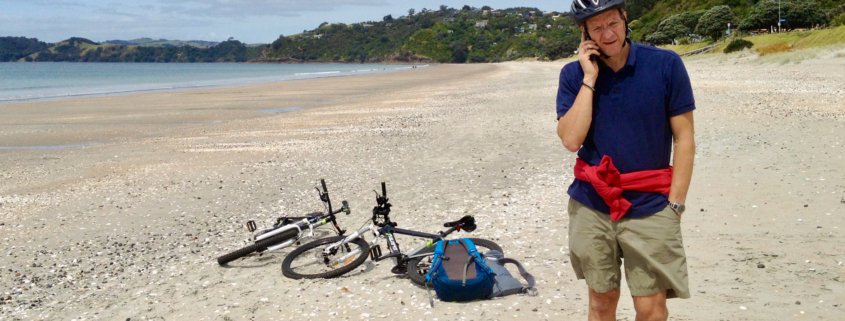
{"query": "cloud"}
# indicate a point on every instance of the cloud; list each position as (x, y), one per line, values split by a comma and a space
(49, 3)
(243, 8)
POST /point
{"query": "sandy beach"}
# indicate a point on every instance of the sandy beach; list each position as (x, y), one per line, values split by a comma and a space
(115, 208)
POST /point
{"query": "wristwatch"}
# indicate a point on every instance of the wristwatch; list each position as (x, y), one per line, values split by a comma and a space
(677, 207)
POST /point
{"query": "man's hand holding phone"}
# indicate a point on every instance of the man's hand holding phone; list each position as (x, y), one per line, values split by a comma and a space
(586, 50)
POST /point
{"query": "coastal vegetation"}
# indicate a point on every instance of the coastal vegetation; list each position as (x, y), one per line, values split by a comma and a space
(465, 35)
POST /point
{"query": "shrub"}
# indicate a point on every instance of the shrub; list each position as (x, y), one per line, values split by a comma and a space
(658, 38)
(683, 41)
(737, 45)
(838, 21)
(774, 48)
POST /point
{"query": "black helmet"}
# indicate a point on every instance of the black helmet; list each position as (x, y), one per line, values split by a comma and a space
(584, 9)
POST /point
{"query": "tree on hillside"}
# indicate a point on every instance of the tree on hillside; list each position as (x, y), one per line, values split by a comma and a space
(466, 8)
(443, 7)
(411, 12)
(714, 22)
(798, 14)
(459, 52)
(388, 18)
(486, 8)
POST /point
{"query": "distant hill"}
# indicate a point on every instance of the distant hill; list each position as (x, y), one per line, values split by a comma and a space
(84, 50)
(163, 43)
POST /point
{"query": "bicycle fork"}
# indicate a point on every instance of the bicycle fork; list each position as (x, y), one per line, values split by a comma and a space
(333, 248)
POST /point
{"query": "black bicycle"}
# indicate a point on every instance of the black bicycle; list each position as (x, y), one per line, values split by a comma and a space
(288, 229)
(332, 257)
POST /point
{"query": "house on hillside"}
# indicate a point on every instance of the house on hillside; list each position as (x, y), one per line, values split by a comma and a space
(548, 26)
(367, 25)
(560, 27)
(320, 36)
(495, 12)
(388, 24)
(448, 19)
(532, 26)
(306, 35)
(481, 24)
(449, 31)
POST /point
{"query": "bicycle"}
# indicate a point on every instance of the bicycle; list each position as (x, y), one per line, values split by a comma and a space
(288, 230)
(332, 257)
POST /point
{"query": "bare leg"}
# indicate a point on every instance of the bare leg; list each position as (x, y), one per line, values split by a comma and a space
(651, 307)
(603, 305)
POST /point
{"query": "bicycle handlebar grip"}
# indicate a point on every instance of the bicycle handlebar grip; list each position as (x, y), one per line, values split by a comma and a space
(383, 189)
(323, 182)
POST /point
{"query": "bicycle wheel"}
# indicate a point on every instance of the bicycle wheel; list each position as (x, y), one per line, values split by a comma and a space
(307, 261)
(259, 246)
(418, 266)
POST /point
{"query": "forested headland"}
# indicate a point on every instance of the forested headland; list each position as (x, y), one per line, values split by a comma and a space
(454, 35)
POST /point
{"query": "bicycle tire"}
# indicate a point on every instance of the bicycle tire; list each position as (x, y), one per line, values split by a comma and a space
(259, 246)
(289, 272)
(418, 277)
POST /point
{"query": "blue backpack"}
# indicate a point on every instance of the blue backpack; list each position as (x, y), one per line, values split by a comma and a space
(459, 273)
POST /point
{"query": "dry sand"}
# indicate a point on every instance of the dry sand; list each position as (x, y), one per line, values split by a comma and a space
(127, 220)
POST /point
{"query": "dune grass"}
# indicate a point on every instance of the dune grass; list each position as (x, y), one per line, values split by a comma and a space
(796, 40)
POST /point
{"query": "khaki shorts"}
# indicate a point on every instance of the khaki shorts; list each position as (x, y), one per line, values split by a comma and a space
(652, 248)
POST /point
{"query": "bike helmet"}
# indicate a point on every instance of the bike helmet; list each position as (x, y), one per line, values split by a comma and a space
(584, 9)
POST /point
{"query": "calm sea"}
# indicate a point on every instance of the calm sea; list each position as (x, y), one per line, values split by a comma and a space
(21, 82)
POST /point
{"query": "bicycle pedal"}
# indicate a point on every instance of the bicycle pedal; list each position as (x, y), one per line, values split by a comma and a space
(375, 252)
(250, 226)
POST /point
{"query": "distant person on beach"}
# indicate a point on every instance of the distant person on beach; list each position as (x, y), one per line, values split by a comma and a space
(621, 107)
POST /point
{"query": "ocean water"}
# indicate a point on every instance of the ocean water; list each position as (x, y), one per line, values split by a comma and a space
(20, 82)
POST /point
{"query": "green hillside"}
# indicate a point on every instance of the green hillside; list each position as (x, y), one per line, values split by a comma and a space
(661, 21)
(163, 43)
(444, 35)
(453, 35)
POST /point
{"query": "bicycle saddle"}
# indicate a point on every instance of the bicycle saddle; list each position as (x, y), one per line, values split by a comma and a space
(466, 223)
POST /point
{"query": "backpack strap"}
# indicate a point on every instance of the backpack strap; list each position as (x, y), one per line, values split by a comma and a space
(525, 275)
(466, 267)
(435, 263)
(473, 253)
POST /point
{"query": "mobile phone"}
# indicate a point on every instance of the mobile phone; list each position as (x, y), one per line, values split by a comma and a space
(587, 36)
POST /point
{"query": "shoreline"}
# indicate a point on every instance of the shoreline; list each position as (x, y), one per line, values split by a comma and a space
(188, 87)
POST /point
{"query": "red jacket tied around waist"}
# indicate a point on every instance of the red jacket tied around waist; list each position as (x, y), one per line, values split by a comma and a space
(610, 184)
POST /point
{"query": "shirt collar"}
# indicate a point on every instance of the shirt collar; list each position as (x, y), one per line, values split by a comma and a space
(632, 54)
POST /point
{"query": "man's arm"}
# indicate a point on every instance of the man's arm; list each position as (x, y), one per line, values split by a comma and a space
(684, 156)
(574, 125)
(572, 128)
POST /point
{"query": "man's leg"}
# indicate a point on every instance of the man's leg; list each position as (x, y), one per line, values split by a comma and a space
(603, 305)
(651, 307)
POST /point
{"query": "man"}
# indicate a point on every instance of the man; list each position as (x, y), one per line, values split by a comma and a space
(622, 111)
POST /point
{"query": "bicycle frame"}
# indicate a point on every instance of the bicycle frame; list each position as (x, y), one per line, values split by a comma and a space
(308, 222)
(387, 231)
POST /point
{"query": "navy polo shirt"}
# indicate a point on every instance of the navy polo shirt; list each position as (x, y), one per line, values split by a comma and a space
(631, 111)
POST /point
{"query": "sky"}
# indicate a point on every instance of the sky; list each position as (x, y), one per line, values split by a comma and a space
(250, 21)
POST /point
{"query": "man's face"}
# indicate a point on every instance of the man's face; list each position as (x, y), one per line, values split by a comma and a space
(608, 30)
